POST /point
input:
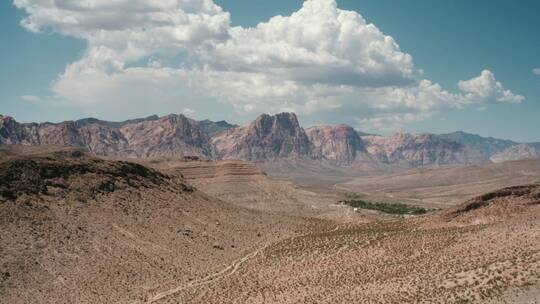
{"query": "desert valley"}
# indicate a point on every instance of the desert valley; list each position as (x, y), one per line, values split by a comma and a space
(173, 210)
(269, 152)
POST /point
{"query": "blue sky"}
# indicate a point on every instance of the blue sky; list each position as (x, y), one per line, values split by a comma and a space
(217, 73)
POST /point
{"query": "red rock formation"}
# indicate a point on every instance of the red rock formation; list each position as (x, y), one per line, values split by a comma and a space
(339, 144)
(268, 137)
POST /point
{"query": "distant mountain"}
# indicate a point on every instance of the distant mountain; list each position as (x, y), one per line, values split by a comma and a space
(517, 152)
(113, 124)
(173, 135)
(496, 149)
(488, 146)
(214, 128)
(407, 150)
(267, 138)
(535, 145)
(169, 136)
(339, 144)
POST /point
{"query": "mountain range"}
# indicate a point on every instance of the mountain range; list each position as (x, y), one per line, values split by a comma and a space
(267, 138)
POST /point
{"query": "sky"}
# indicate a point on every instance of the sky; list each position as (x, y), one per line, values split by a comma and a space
(378, 65)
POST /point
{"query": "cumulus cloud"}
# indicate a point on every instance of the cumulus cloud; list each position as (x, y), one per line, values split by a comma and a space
(486, 88)
(320, 61)
(317, 44)
(122, 31)
(536, 71)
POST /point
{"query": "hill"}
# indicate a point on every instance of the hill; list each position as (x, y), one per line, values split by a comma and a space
(91, 230)
(88, 229)
(518, 201)
(437, 258)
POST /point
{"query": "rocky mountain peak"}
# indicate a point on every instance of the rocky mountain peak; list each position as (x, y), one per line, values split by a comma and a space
(268, 137)
(283, 123)
(340, 144)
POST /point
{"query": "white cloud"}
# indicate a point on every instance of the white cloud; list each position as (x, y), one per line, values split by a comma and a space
(317, 44)
(486, 88)
(31, 98)
(320, 62)
(123, 31)
(536, 71)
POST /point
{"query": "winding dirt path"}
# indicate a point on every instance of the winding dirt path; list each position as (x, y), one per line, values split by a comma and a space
(224, 273)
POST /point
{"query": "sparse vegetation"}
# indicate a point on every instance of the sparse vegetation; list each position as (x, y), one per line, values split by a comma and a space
(390, 208)
(243, 237)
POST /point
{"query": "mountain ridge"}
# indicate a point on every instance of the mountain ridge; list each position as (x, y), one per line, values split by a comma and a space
(267, 138)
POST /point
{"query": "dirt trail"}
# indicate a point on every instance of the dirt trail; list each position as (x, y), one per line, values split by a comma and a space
(224, 273)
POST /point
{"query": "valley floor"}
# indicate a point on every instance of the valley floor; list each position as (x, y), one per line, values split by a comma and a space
(225, 232)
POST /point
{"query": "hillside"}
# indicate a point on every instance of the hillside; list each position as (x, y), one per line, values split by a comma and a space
(244, 184)
(428, 259)
(91, 230)
(98, 230)
(518, 201)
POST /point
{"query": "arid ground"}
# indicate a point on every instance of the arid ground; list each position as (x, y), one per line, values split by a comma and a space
(82, 229)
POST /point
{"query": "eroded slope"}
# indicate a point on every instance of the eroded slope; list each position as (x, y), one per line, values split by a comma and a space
(79, 229)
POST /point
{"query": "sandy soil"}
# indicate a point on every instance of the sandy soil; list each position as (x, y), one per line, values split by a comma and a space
(443, 187)
(444, 258)
(71, 245)
(245, 185)
(79, 229)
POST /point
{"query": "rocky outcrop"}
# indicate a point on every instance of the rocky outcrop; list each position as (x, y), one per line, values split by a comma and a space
(267, 138)
(407, 150)
(339, 144)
